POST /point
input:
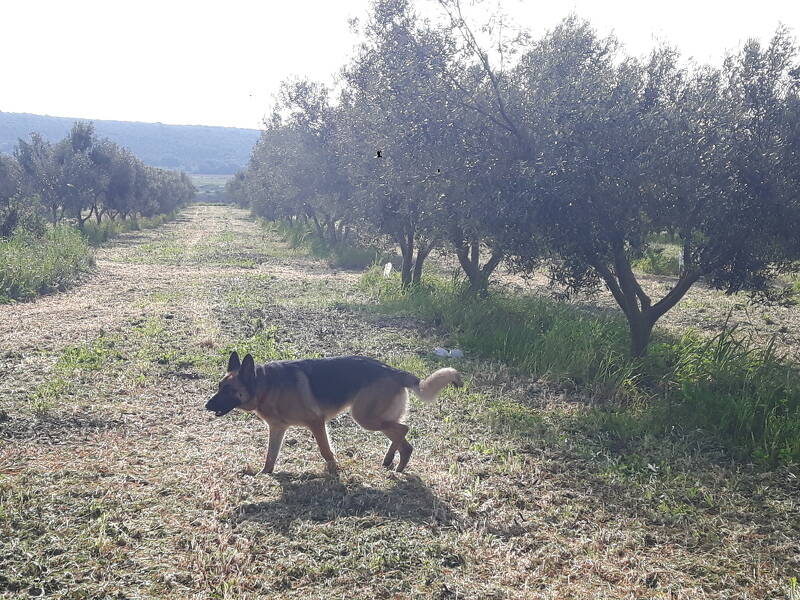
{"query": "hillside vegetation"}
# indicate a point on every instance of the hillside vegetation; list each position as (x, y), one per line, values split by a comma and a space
(190, 148)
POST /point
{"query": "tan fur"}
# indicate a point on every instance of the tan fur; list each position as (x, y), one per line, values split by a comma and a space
(380, 406)
(431, 386)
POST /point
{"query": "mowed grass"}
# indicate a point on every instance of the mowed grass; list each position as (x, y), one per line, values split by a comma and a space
(122, 486)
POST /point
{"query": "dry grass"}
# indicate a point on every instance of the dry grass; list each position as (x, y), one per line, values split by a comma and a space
(114, 483)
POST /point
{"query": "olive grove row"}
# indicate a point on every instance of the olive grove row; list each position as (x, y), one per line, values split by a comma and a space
(562, 152)
(83, 177)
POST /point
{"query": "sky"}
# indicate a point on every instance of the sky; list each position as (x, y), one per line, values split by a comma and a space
(220, 63)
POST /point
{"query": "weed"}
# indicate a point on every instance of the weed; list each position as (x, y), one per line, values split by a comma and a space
(30, 266)
(660, 259)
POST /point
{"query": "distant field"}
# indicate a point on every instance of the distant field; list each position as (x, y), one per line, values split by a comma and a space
(208, 180)
(210, 187)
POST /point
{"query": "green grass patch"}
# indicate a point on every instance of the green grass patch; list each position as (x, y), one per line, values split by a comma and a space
(747, 397)
(532, 334)
(342, 255)
(73, 365)
(99, 233)
(30, 266)
(660, 259)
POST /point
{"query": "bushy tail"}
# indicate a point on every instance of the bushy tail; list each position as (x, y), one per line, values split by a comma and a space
(427, 389)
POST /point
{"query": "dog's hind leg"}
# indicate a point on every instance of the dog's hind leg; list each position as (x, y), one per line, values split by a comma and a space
(388, 460)
(320, 432)
(396, 432)
(382, 409)
(276, 434)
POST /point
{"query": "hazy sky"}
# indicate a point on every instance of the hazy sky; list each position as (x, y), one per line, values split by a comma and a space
(219, 63)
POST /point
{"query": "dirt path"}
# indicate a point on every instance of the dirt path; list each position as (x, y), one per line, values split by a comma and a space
(115, 483)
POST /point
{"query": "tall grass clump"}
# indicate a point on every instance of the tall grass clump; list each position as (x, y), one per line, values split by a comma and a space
(744, 396)
(99, 233)
(31, 265)
(343, 255)
(537, 335)
(741, 392)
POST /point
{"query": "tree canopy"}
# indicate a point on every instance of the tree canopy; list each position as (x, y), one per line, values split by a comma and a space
(81, 177)
(569, 153)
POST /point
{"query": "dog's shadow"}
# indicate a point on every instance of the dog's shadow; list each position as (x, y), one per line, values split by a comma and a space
(310, 497)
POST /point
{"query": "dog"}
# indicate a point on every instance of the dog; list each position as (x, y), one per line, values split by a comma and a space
(311, 392)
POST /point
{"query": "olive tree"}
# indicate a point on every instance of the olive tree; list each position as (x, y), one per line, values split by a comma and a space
(617, 150)
(629, 150)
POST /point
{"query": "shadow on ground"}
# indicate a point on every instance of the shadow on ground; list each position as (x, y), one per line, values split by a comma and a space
(309, 497)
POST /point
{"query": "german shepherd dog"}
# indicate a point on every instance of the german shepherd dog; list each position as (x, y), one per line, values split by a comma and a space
(312, 392)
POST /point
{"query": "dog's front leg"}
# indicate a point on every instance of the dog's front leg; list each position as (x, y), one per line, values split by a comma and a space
(276, 434)
(320, 431)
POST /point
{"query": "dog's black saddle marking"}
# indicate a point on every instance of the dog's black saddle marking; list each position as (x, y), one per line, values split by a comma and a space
(334, 380)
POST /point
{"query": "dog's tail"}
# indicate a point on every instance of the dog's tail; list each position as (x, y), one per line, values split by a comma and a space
(430, 387)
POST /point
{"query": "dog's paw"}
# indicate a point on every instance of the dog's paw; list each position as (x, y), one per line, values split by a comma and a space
(332, 467)
(266, 471)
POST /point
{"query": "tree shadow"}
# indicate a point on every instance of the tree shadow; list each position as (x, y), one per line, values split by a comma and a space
(325, 498)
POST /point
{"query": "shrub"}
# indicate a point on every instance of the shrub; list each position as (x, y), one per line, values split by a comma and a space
(660, 260)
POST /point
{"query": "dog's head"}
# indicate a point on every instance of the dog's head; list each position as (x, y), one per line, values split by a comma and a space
(236, 390)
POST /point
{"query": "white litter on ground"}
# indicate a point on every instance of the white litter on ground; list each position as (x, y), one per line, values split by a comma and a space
(445, 353)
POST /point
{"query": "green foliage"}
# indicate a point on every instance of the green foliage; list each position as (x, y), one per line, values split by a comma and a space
(98, 233)
(746, 397)
(341, 255)
(30, 266)
(82, 177)
(659, 260)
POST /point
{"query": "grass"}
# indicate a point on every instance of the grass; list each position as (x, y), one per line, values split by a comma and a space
(125, 487)
(99, 233)
(32, 266)
(746, 396)
(343, 256)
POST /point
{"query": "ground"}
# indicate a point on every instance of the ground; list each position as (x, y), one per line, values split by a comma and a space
(115, 483)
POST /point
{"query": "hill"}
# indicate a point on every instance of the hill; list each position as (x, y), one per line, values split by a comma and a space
(191, 148)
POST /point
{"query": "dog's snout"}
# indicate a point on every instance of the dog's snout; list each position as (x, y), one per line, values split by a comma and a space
(222, 404)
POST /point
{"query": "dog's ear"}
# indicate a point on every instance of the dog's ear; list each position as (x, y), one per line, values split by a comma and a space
(248, 370)
(233, 362)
